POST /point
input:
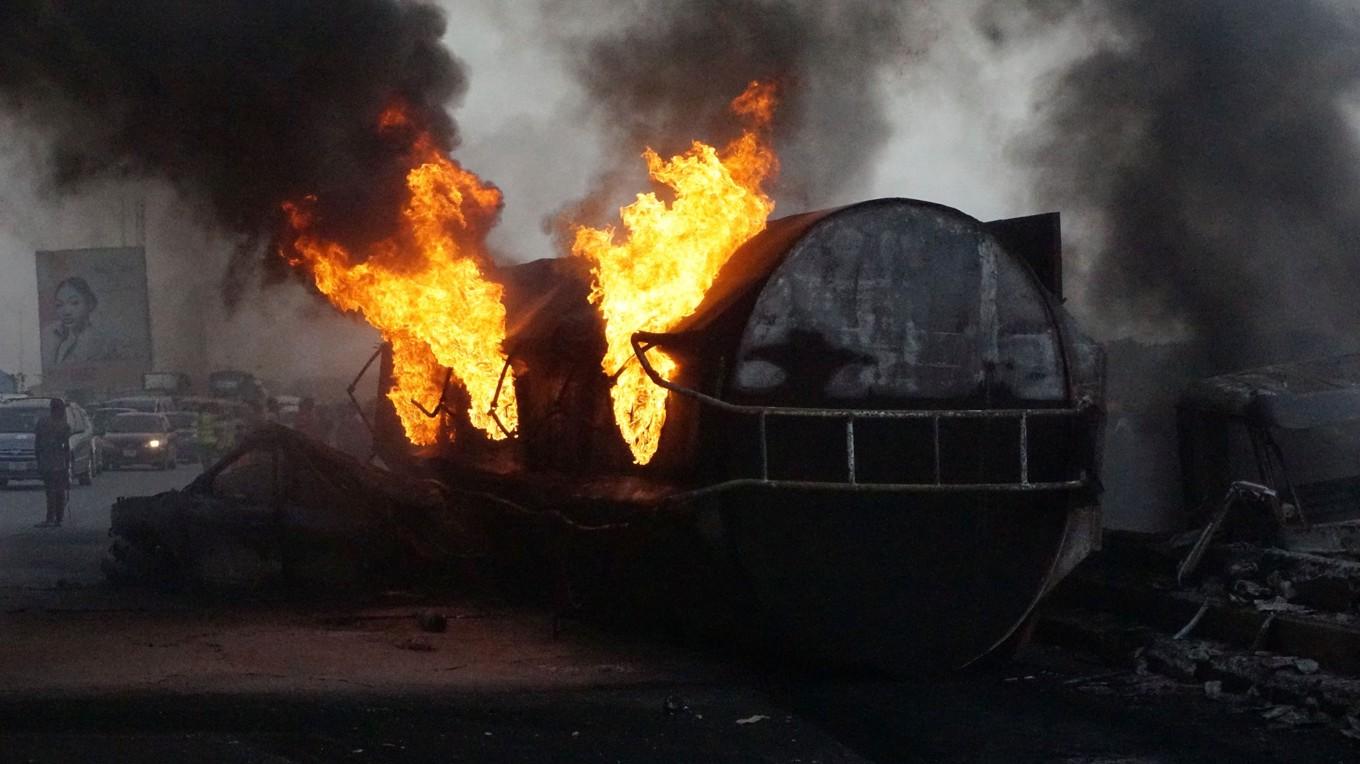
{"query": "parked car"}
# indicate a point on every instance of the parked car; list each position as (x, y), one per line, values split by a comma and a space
(186, 434)
(19, 416)
(141, 439)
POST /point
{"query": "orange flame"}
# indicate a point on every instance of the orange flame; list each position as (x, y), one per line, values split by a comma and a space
(659, 273)
(425, 290)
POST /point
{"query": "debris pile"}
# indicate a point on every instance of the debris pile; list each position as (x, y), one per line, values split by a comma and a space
(1251, 620)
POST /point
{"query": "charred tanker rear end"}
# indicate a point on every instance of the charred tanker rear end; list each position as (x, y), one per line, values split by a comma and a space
(883, 416)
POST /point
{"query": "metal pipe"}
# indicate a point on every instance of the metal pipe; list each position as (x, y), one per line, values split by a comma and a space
(850, 446)
(496, 400)
(926, 488)
(764, 451)
(791, 411)
(439, 404)
(939, 478)
(354, 385)
(643, 341)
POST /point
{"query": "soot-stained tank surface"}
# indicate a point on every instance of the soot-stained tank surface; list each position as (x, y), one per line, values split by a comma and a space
(916, 302)
(903, 305)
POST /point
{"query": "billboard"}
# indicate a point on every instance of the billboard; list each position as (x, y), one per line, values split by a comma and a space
(95, 318)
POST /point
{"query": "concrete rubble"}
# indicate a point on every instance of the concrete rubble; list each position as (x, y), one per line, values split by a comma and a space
(1256, 624)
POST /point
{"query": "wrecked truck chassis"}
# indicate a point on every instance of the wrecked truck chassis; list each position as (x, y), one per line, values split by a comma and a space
(1298, 420)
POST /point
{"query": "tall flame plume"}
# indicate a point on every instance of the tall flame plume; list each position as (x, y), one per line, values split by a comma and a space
(658, 272)
(425, 290)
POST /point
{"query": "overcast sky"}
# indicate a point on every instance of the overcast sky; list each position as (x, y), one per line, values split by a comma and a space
(954, 111)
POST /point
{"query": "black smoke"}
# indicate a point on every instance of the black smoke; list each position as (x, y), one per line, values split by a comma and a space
(665, 75)
(1212, 142)
(242, 104)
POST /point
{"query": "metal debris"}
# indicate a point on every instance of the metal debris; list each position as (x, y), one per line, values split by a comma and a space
(1189, 627)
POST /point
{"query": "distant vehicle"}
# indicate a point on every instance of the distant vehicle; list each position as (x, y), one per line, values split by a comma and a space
(288, 406)
(185, 424)
(218, 407)
(18, 461)
(238, 386)
(149, 404)
(171, 383)
(100, 418)
(141, 439)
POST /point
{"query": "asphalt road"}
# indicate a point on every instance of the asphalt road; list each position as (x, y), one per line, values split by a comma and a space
(89, 673)
(35, 558)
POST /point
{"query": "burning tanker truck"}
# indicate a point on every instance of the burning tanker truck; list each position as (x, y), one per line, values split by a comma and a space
(881, 413)
(875, 426)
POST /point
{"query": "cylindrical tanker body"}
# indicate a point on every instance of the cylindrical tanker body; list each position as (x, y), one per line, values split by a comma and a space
(934, 471)
(883, 414)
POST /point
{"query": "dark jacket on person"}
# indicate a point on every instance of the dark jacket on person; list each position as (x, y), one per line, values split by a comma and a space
(52, 443)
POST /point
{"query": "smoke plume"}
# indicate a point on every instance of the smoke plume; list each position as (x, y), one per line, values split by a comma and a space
(1212, 141)
(665, 76)
(241, 104)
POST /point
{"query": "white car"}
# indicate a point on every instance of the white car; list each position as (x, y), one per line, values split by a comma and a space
(18, 461)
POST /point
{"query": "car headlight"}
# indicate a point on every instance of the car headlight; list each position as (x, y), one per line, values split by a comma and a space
(153, 443)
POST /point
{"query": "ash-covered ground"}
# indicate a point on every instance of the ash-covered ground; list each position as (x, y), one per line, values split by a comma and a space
(92, 673)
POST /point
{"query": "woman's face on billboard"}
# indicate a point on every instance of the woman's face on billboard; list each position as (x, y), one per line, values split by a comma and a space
(73, 310)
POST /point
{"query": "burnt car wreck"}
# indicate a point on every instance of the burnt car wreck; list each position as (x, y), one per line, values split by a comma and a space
(282, 509)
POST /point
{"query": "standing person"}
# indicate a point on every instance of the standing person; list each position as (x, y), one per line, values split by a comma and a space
(307, 422)
(228, 429)
(205, 437)
(52, 446)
